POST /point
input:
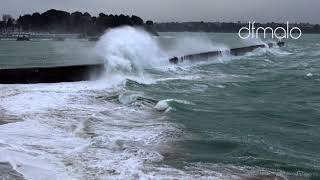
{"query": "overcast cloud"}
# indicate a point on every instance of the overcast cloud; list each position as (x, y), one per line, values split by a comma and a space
(180, 10)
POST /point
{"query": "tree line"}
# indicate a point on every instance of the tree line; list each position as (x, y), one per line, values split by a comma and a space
(57, 21)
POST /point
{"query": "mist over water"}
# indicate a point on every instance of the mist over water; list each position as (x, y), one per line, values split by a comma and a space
(254, 116)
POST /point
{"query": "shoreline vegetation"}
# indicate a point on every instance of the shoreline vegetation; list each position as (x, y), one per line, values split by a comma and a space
(62, 22)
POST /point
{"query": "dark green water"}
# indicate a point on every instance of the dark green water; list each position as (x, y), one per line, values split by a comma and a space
(259, 111)
(255, 116)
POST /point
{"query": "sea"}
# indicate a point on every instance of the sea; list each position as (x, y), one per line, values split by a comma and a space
(251, 117)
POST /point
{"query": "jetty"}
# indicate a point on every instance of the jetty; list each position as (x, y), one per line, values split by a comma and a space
(51, 74)
(94, 71)
(212, 54)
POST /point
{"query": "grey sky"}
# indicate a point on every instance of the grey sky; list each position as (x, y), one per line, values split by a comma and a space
(180, 10)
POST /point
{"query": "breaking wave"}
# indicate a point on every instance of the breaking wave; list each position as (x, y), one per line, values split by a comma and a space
(130, 50)
(165, 105)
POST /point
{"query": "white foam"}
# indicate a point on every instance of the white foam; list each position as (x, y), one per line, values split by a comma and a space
(163, 105)
(32, 102)
(34, 149)
(68, 133)
(179, 77)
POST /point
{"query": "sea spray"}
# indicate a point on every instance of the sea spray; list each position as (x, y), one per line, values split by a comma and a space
(130, 51)
(194, 44)
(256, 41)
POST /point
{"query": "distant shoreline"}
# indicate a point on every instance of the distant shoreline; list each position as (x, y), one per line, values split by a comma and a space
(62, 22)
(226, 27)
(214, 32)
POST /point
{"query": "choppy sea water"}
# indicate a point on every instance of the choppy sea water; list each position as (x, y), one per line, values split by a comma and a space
(249, 117)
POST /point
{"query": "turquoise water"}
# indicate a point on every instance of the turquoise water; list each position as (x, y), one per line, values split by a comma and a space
(255, 116)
